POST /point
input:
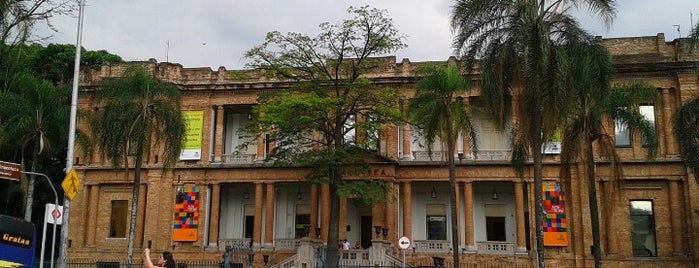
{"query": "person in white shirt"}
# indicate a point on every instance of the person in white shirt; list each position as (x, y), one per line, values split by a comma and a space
(345, 245)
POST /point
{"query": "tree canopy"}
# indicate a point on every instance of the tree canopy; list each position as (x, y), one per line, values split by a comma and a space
(330, 121)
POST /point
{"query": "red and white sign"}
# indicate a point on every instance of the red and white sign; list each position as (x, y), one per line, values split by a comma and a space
(10, 171)
(54, 214)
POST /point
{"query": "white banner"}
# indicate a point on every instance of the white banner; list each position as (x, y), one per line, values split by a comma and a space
(54, 214)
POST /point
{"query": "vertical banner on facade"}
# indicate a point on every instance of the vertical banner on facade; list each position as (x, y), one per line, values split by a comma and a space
(186, 214)
(191, 145)
(555, 224)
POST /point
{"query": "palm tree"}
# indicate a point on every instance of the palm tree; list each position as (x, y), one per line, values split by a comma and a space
(595, 100)
(136, 113)
(439, 113)
(33, 121)
(685, 121)
(518, 44)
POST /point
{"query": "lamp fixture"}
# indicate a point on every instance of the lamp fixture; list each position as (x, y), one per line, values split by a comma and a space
(433, 194)
(246, 194)
(299, 194)
(495, 194)
(249, 116)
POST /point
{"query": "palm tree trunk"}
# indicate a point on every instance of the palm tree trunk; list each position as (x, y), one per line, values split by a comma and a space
(592, 199)
(538, 183)
(30, 186)
(452, 192)
(134, 205)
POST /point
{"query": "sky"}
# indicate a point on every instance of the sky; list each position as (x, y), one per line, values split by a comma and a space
(213, 33)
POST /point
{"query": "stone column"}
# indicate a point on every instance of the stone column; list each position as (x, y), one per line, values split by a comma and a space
(670, 142)
(261, 144)
(390, 218)
(675, 215)
(269, 216)
(407, 210)
(343, 219)
(257, 232)
(218, 138)
(519, 217)
(609, 222)
(324, 210)
(214, 214)
(406, 141)
(314, 211)
(458, 213)
(468, 217)
(92, 208)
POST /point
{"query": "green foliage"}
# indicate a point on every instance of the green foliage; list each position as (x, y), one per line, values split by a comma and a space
(317, 123)
(34, 114)
(520, 49)
(685, 122)
(133, 110)
(136, 113)
(438, 105)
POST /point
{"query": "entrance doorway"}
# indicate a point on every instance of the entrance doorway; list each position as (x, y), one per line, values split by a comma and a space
(365, 232)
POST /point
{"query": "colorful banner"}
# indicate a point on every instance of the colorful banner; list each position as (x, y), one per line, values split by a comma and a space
(191, 145)
(186, 214)
(555, 224)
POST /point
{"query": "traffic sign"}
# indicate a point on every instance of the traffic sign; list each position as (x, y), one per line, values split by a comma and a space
(54, 214)
(71, 184)
(10, 171)
(404, 242)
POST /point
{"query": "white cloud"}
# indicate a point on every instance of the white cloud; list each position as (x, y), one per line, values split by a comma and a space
(212, 33)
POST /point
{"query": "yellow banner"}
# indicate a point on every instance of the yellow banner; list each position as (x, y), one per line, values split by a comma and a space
(191, 145)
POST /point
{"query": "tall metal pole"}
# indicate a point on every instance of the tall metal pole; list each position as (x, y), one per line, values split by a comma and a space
(53, 235)
(62, 257)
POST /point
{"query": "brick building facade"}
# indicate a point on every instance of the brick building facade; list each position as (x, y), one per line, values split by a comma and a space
(242, 201)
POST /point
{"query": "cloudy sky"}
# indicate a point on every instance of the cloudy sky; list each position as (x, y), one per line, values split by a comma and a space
(213, 33)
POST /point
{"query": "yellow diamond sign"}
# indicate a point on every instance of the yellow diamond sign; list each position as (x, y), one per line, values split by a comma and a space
(71, 184)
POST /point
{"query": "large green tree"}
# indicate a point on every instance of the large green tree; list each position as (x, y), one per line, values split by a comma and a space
(135, 113)
(18, 18)
(518, 47)
(440, 115)
(594, 101)
(32, 121)
(333, 109)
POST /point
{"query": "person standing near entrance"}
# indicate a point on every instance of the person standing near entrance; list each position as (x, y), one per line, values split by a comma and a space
(345, 245)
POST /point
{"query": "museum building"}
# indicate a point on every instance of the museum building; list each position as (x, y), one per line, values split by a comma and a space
(223, 199)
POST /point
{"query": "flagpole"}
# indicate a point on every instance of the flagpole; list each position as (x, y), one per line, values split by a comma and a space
(62, 257)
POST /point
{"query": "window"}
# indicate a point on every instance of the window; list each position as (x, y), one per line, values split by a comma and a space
(436, 222)
(621, 134)
(249, 225)
(648, 112)
(117, 221)
(303, 221)
(371, 135)
(495, 222)
(643, 228)
(349, 130)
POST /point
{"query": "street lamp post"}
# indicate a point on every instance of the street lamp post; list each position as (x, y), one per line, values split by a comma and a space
(63, 255)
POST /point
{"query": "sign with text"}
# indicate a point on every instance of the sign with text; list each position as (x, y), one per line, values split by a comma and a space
(191, 145)
(10, 171)
(186, 221)
(555, 223)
